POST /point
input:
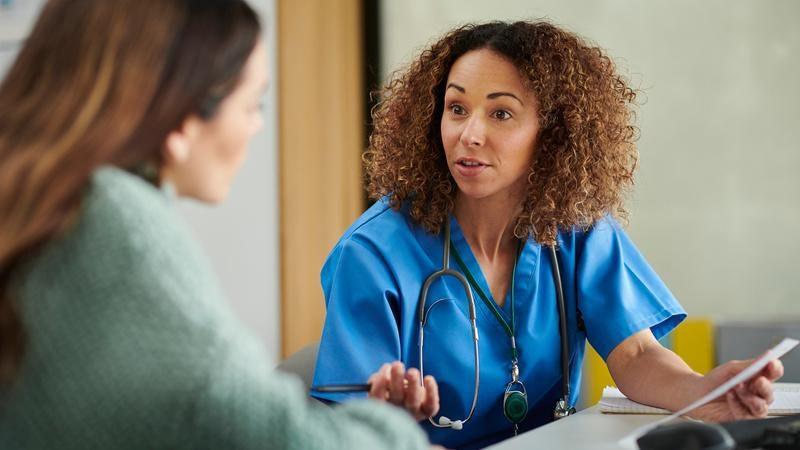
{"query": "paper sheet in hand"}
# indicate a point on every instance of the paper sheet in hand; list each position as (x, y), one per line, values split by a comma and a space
(774, 353)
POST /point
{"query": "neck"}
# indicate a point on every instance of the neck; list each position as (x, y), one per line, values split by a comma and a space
(488, 225)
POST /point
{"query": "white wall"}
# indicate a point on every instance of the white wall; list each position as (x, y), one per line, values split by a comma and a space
(241, 235)
(15, 22)
(716, 208)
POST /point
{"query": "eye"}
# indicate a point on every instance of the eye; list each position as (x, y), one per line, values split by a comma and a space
(501, 114)
(257, 107)
(457, 109)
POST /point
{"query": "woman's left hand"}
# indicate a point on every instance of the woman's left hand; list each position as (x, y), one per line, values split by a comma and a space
(747, 400)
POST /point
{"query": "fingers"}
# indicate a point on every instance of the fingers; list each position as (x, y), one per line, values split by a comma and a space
(430, 406)
(762, 388)
(415, 392)
(379, 382)
(756, 396)
(403, 388)
(738, 410)
(397, 382)
(733, 367)
(774, 370)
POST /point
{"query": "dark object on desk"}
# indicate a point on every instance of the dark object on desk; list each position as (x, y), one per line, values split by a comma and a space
(779, 433)
(687, 435)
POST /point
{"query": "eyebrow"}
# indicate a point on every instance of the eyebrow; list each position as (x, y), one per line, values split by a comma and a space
(491, 96)
(494, 95)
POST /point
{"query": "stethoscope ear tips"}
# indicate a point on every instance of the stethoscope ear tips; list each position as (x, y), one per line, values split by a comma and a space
(454, 424)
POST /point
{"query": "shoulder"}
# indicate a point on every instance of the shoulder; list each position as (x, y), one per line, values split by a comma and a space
(600, 235)
(134, 213)
(126, 242)
(124, 206)
(379, 221)
(370, 239)
(378, 225)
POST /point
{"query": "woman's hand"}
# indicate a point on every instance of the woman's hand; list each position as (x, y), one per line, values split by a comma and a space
(394, 384)
(747, 400)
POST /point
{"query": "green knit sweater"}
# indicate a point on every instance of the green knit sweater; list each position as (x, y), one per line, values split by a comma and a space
(129, 345)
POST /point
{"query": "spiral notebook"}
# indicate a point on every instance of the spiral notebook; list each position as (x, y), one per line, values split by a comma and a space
(787, 401)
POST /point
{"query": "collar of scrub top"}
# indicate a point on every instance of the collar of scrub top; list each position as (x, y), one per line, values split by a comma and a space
(563, 407)
(515, 399)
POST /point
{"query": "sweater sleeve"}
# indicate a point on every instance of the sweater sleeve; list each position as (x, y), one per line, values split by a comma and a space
(244, 404)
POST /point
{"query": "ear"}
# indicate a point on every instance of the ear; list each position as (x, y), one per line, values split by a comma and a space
(179, 143)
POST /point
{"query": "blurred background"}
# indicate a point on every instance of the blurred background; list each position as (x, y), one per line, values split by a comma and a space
(715, 209)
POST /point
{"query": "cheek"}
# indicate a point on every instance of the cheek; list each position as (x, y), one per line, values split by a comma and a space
(235, 137)
(524, 146)
(450, 136)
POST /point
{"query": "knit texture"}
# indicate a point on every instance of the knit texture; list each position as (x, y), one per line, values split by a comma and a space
(129, 345)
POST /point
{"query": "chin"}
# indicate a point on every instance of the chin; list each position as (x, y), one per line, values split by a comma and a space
(212, 196)
(217, 197)
(474, 192)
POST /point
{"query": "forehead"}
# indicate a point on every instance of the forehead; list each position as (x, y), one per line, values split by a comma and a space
(486, 70)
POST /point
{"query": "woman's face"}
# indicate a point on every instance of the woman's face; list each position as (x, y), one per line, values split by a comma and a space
(215, 148)
(489, 126)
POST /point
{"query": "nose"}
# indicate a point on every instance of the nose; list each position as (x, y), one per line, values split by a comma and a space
(474, 133)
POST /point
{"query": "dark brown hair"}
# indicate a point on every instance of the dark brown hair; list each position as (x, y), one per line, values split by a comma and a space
(101, 82)
(585, 156)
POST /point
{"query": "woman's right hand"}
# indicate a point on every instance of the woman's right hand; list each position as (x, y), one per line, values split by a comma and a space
(394, 384)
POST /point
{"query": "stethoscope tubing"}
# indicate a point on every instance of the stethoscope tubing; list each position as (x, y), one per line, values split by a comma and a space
(562, 313)
(423, 317)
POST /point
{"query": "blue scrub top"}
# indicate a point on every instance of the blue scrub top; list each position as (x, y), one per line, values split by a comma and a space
(372, 281)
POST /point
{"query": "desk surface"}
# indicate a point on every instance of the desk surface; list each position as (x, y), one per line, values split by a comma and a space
(588, 429)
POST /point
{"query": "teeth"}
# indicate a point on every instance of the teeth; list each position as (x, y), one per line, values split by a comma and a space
(470, 163)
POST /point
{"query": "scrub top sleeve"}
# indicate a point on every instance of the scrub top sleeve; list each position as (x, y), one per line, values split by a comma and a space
(361, 326)
(619, 293)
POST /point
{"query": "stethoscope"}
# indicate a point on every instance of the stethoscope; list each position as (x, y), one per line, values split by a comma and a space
(515, 398)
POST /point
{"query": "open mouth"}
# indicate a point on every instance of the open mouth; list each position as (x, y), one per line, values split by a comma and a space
(464, 162)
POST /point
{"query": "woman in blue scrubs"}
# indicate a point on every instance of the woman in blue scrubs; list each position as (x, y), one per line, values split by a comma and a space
(518, 138)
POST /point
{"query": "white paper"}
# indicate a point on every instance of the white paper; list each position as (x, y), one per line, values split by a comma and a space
(774, 353)
(786, 401)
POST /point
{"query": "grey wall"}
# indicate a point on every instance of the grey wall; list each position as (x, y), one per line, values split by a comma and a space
(241, 235)
(716, 207)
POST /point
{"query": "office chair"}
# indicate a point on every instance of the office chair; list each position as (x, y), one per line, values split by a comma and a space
(301, 364)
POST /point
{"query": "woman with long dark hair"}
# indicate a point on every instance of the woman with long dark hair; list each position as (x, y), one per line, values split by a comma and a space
(112, 329)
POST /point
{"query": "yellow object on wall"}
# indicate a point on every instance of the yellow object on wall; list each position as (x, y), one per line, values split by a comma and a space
(693, 341)
(596, 377)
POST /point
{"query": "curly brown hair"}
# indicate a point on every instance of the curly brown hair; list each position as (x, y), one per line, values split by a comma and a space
(586, 155)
